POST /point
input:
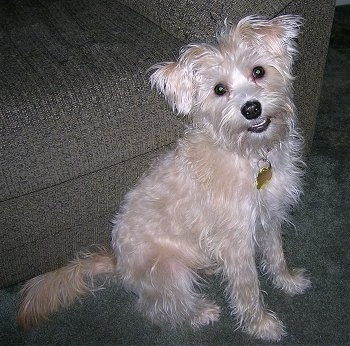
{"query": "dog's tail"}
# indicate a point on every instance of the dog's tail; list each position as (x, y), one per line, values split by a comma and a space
(47, 293)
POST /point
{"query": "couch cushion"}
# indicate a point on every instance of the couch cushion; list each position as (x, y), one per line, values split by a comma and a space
(42, 230)
(74, 94)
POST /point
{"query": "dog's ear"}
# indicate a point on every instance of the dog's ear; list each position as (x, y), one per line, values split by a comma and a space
(284, 29)
(175, 81)
(278, 35)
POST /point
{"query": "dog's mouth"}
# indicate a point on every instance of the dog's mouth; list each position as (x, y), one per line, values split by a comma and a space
(260, 126)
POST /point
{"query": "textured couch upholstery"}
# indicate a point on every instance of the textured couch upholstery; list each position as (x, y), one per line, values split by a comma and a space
(78, 123)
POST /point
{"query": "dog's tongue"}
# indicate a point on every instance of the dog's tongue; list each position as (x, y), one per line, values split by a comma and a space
(257, 128)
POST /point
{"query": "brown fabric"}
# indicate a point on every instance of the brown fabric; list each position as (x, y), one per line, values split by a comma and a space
(192, 20)
(309, 69)
(74, 93)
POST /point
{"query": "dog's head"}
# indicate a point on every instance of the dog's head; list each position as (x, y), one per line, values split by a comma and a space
(241, 89)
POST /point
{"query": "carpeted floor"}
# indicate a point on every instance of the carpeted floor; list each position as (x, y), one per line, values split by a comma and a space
(319, 242)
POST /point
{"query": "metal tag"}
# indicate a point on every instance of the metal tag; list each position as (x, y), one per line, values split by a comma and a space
(264, 176)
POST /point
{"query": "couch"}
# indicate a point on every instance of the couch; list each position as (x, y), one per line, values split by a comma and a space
(78, 121)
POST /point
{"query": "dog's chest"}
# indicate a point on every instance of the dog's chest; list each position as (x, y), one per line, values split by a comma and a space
(237, 183)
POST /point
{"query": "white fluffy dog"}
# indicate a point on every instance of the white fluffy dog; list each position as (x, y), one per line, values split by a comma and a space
(217, 200)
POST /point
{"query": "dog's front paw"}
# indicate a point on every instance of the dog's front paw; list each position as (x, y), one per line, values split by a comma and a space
(295, 282)
(267, 327)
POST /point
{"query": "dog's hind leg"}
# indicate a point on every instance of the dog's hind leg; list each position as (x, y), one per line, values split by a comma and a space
(166, 290)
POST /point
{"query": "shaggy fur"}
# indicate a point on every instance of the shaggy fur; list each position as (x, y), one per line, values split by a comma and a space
(199, 208)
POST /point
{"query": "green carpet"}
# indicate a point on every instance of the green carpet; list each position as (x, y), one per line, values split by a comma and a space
(319, 242)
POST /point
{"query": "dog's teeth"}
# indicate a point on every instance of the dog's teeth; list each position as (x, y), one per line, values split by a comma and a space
(260, 127)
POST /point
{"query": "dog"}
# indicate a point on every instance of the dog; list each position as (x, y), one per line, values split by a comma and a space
(217, 201)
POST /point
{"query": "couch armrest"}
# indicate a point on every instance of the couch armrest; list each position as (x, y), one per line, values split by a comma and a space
(309, 69)
(197, 20)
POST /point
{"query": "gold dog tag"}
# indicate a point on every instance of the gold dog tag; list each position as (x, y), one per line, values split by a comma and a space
(264, 176)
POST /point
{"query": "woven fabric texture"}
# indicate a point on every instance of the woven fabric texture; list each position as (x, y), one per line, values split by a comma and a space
(78, 121)
(193, 20)
(74, 95)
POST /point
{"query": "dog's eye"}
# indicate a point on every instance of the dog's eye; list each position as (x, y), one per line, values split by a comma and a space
(220, 89)
(258, 72)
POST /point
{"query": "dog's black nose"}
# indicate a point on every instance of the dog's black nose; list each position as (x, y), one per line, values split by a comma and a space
(251, 109)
